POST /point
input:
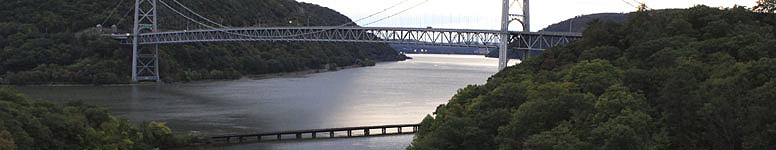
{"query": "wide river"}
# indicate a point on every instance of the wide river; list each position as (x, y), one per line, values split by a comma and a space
(389, 93)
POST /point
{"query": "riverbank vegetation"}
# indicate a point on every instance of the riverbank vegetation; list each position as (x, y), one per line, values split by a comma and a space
(28, 124)
(53, 41)
(696, 78)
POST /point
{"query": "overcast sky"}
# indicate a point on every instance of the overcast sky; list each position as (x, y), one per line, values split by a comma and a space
(485, 14)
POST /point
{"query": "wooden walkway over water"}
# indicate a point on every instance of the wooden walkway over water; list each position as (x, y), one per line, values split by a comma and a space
(315, 133)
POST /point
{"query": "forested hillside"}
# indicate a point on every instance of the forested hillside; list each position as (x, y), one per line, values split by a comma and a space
(44, 41)
(697, 78)
(38, 125)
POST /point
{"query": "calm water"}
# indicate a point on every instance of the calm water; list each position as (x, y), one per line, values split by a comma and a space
(389, 93)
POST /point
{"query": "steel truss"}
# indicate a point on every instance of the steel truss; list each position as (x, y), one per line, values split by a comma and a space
(419, 36)
(540, 41)
(145, 59)
(146, 37)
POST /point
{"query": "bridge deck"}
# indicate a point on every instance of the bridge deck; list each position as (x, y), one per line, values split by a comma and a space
(524, 41)
(392, 35)
(314, 133)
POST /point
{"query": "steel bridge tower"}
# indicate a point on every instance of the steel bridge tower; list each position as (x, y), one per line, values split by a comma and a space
(507, 18)
(145, 60)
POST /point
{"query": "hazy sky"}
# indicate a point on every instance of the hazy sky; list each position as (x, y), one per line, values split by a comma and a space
(485, 14)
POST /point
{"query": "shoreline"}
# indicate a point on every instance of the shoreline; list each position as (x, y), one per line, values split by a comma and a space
(250, 76)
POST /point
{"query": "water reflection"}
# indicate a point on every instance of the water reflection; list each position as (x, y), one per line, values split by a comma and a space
(389, 93)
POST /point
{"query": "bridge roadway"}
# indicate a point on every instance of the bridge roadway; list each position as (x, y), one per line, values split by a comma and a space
(390, 35)
(314, 133)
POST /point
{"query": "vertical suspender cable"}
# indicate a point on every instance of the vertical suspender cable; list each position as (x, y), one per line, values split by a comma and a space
(111, 12)
(343, 25)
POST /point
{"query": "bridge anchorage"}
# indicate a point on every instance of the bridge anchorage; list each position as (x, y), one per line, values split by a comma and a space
(146, 36)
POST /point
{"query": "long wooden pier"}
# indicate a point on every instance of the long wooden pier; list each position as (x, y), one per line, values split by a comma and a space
(299, 134)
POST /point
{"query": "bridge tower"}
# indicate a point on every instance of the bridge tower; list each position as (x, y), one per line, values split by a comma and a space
(145, 60)
(507, 18)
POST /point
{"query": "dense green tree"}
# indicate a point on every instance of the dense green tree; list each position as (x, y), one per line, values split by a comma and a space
(6, 140)
(594, 76)
(605, 52)
(547, 106)
(758, 115)
(32, 125)
(696, 78)
(559, 138)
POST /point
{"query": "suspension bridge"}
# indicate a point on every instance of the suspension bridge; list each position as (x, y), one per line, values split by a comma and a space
(146, 37)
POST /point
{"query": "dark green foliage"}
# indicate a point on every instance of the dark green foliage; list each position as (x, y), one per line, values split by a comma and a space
(32, 125)
(697, 78)
(367, 62)
(605, 52)
(54, 42)
(6, 140)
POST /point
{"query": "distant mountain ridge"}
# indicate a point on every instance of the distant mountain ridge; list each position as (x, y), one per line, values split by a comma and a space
(579, 23)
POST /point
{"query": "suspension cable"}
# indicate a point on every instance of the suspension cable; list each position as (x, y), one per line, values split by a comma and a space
(384, 10)
(629, 3)
(200, 16)
(332, 28)
(125, 16)
(183, 15)
(400, 12)
(208, 26)
(352, 22)
(111, 12)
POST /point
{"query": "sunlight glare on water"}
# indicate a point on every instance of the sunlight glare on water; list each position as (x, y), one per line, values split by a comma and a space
(389, 93)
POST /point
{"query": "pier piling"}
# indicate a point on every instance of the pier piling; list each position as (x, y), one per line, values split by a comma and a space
(299, 133)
